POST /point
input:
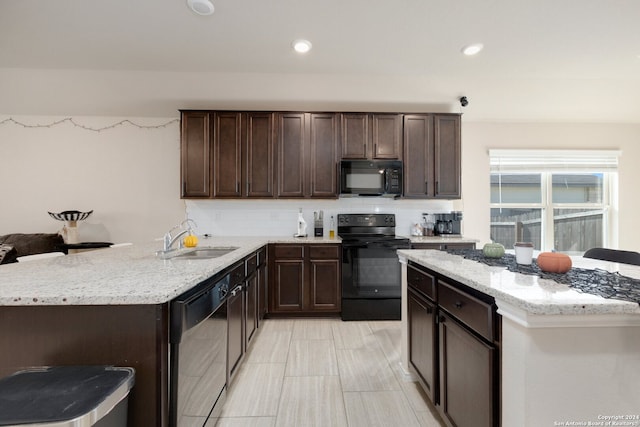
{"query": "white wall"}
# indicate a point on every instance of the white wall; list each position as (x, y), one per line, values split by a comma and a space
(478, 138)
(130, 177)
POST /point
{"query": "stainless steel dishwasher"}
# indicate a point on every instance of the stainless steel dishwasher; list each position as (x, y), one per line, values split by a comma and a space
(198, 353)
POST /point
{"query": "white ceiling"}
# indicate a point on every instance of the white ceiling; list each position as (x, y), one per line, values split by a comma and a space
(544, 60)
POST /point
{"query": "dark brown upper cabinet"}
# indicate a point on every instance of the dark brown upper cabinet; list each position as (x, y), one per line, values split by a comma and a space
(242, 155)
(259, 171)
(447, 147)
(291, 143)
(371, 136)
(307, 146)
(323, 161)
(432, 156)
(227, 154)
(232, 154)
(195, 155)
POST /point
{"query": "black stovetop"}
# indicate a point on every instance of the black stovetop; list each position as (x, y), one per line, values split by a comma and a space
(367, 226)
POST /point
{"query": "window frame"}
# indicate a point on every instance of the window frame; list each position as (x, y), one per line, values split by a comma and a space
(607, 206)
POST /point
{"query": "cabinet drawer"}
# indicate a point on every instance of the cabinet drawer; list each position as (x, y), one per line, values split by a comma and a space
(458, 246)
(324, 252)
(476, 314)
(289, 251)
(237, 275)
(443, 246)
(422, 281)
(252, 263)
(435, 246)
(262, 256)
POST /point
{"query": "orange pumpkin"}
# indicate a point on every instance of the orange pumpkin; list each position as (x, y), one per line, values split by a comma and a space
(553, 262)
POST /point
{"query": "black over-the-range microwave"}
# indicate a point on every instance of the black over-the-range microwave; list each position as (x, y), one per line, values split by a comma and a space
(371, 178)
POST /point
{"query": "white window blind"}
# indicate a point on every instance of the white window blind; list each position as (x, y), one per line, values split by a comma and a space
(505, 161)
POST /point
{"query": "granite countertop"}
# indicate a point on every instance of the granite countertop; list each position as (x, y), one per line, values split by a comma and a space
(442, 239)
(531, 294)
(126, 275)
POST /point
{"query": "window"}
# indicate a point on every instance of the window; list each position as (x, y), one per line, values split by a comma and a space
(557, 199)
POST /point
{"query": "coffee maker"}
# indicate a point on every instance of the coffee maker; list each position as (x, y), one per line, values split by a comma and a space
(448, 224)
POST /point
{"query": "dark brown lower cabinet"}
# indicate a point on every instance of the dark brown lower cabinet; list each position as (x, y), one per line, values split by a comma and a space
(304, 278)
(242, 309)
(324, 290)
(251, 308)
(262, 285)
(235, 319)
(466, 377)
(454, 339)
(422, 341)
(286, 278)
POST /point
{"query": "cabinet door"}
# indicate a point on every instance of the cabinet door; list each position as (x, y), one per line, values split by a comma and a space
(235, 327)
(250, 308)
(287, 291)
(418, 156)
(259, 169)
(195, 155)
(324, 285)
(227, 154)
(386, 136)
(422, 341)
(447, 147)
(355, 135)
(262, 292)
(291, 155)
(467, 394)
(323, 155)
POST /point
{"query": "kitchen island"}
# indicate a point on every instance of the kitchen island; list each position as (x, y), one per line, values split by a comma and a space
(564, 357)
(108, 307)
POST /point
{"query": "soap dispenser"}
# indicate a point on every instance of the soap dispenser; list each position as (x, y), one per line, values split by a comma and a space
(302, 226)
(332, 228)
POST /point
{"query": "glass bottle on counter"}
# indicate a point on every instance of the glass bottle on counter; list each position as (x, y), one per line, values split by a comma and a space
(332, 228)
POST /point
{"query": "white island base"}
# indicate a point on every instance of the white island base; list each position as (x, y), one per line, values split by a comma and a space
(586, 374)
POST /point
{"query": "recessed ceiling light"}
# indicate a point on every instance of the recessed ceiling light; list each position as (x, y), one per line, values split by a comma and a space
(301, 45)
(472, 49)
(201, 7)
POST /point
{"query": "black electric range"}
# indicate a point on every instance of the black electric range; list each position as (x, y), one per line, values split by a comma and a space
(371, 274)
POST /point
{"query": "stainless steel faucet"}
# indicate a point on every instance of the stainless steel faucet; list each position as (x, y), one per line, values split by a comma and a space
(169, 240)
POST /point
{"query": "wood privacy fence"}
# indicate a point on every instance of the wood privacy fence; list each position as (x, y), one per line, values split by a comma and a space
(573, 231)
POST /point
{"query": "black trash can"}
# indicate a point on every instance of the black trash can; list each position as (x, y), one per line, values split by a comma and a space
(66, 396)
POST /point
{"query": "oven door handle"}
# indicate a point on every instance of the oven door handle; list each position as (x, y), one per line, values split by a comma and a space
(354, 245)
(385, 245)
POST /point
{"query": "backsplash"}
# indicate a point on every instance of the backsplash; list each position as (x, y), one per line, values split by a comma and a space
(279, 217)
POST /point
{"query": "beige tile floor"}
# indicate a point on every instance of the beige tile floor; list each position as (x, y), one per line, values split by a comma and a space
(325, 372)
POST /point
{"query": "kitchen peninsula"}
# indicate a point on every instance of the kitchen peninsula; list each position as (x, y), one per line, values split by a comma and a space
(556, 356)
(111, 307)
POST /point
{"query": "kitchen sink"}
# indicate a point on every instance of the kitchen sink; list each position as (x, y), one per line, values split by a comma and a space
(196, 253)
(206, 253)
